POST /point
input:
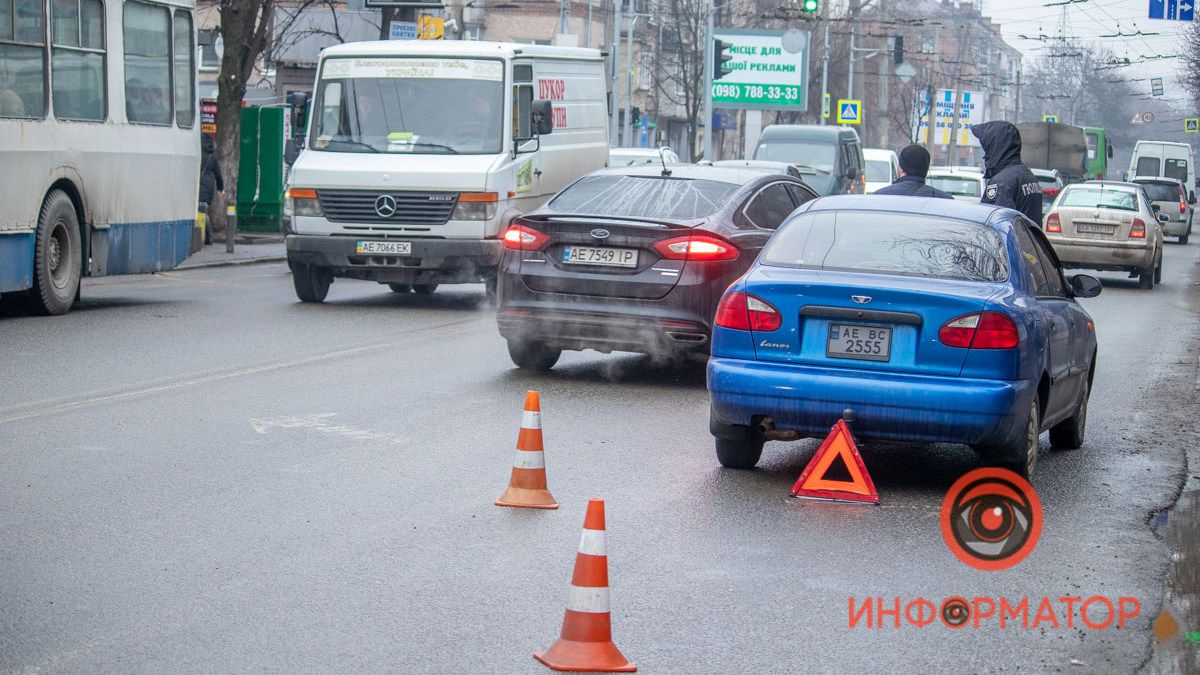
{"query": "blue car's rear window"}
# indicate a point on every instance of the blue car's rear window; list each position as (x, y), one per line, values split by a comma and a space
(890, 243)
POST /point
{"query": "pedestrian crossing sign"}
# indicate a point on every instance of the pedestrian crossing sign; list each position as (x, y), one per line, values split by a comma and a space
(1191, 125)
(849, 111)
(1053, 119)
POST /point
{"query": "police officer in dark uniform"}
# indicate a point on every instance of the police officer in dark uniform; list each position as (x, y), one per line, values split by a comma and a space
(914, 164)
(1009, 182)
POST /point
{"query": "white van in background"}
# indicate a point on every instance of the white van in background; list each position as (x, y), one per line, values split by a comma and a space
(883, 168)
(419, 153)
(1164, 159)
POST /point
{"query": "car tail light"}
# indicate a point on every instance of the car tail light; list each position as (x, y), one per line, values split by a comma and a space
(523, 238)
(1053, 223)
(742, 311)
(1099, 175)
(1051, 192)
(699, 247)
(1182, 205)
(1138, 231)
(982, 330)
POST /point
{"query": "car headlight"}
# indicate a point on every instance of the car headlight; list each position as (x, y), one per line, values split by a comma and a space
(304, 202)
(475, 206)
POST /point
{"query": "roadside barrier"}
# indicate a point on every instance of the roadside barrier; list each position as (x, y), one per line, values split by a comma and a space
(585, 643)
(527, 486)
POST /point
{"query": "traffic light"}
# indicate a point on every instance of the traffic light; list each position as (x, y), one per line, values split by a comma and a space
(719, 58)
(898, 49)
(636, 115)
(810, 5)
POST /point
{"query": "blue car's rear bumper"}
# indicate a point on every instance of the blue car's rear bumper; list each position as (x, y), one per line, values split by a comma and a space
(894, 406)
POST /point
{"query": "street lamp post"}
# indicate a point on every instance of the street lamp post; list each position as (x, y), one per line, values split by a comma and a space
(628, 134)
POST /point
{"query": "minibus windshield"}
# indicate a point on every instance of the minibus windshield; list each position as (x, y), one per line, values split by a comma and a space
(434, 106)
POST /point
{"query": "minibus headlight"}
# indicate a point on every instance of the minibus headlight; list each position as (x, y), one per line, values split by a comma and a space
(475, 206)
(304, 202)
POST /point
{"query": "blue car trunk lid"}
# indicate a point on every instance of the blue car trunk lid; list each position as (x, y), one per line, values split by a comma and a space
(650, 278)
(821, 308)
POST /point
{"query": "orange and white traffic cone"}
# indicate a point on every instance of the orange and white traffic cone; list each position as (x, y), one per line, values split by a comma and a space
(586, 640)
(527, 486)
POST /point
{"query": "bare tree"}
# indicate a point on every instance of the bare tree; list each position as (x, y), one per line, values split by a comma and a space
(1189, 67)
(681, 80)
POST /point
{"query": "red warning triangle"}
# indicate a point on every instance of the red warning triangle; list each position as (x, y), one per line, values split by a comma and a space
(813, 483)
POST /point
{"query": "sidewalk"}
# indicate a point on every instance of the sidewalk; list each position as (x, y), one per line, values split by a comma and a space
(271, 250)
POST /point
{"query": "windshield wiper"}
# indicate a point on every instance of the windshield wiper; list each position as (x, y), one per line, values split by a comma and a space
(435, 145)
(353, 142)
(813, 169)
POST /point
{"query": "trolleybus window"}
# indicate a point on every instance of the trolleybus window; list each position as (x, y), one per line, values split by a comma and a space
(147, 63)
(77, 61)
(185, 96)
(22, 59)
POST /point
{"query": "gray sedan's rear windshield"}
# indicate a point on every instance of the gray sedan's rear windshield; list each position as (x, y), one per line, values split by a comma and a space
(1100, 198)
(643, 197)
(890, 243)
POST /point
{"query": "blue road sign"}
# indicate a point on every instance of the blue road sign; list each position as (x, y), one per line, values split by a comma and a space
(403, 30)
(1173, 10)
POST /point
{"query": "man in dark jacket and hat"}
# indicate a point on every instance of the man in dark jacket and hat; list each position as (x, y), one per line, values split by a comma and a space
(212, 182)
(914, 165)
(1009, 182)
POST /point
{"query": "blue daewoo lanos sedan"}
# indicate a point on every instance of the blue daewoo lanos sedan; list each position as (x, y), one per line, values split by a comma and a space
(934, 320)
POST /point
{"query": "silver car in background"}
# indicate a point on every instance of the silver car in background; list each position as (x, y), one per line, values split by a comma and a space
(964, 184)
(1107, 226)
(1171, 198)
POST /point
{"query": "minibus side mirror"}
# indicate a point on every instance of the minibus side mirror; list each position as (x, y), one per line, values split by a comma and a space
(543, 117)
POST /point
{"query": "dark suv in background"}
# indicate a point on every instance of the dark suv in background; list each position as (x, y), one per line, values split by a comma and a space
(834, 153)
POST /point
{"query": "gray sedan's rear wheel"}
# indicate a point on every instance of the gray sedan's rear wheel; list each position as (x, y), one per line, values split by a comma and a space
(533, 355)
(1146, 278)
(400, 288)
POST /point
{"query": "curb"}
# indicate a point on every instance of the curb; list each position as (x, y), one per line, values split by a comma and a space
(231, 263)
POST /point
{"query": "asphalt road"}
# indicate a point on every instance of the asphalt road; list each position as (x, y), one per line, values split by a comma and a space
(198, 473)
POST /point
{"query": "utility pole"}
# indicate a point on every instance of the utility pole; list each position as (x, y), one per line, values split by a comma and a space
(564, 17)
(825, 63)
(708, 77)
(587, 30)
(627, 141)
(855, 8)
(615, 85)
(963, 37)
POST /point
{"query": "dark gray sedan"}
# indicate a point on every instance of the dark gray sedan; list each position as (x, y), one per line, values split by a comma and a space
(635, 259)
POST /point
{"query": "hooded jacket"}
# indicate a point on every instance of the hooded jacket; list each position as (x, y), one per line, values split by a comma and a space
(1009, 182)
(913, 186)
(211, 179)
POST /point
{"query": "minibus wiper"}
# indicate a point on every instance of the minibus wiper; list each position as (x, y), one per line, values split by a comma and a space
(353, 142)
(436, 145)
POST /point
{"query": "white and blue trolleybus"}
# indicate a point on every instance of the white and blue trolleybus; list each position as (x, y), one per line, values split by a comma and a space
(99, 143)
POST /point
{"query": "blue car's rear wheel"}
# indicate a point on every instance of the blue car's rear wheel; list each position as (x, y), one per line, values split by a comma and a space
(1068, 434)
(1020, 454)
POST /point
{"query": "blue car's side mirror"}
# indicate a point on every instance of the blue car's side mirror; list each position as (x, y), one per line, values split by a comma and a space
(1085, 286)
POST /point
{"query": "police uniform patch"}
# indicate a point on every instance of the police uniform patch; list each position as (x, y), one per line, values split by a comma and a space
(991, 191)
